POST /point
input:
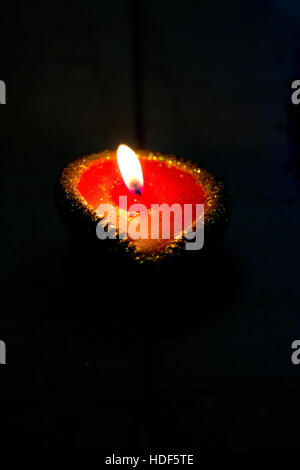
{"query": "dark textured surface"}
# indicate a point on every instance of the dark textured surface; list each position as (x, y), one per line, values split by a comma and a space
(216, 83)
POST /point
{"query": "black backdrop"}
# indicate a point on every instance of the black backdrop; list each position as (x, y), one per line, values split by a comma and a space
(199, 360)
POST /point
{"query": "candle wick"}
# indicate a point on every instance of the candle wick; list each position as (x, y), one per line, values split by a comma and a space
(136, 189)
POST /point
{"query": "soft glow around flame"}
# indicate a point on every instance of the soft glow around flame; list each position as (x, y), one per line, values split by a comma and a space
(130, 169)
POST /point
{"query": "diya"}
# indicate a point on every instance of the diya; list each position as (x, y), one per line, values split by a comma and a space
(143, 180)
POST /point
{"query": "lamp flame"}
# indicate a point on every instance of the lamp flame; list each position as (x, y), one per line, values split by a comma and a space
(130, 168)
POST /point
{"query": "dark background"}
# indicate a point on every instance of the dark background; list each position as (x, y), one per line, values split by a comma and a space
(203, 359)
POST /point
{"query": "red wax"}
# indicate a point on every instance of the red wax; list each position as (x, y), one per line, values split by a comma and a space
(164, 182)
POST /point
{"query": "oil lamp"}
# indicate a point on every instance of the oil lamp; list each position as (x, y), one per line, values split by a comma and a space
(105, 191)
